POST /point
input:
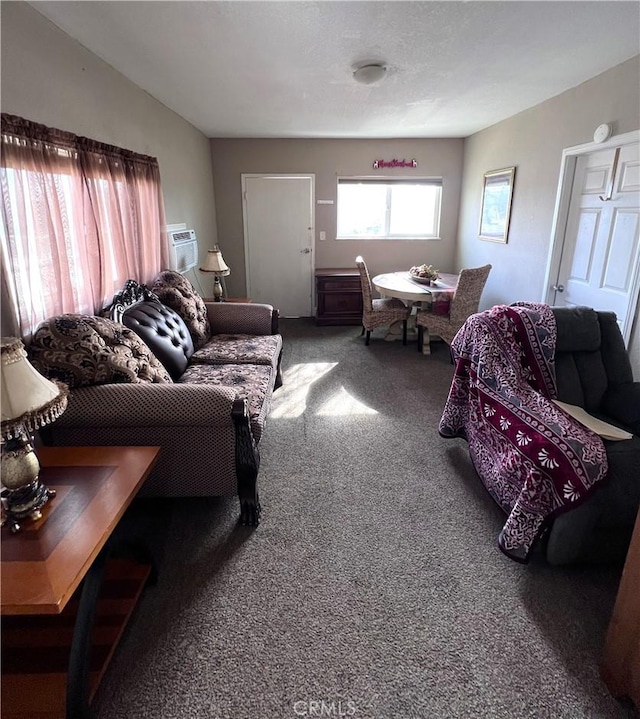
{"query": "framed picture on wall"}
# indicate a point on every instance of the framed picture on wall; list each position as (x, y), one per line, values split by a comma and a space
(497, 191)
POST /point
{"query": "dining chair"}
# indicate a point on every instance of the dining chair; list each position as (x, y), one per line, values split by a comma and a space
(464, 303)
(378, 312)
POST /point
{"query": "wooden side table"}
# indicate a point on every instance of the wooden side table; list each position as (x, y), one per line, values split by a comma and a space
(47, 617)
(620, 667)
(338, 297)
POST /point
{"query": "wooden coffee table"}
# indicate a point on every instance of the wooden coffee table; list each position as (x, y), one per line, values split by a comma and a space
(48, 666)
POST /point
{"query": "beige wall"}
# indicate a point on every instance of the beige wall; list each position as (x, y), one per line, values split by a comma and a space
(327, 159)
(48, 77)
(533, 141)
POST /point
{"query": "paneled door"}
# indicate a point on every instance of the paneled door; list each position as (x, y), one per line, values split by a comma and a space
(600, 265)
(278, 213)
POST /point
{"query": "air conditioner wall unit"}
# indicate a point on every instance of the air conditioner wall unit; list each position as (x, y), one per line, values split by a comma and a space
(183, 248)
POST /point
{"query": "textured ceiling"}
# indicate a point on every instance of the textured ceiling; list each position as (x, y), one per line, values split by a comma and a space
(284, 69)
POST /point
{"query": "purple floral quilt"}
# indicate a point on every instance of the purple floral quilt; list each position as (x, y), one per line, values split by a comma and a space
(534, 459)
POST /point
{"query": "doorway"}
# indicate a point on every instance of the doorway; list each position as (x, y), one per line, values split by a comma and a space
(278, 216)
(594, 259)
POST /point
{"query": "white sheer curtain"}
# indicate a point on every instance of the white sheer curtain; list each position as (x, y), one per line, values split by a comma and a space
(78, 219)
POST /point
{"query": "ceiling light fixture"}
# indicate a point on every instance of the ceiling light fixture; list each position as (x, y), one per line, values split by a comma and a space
(368, 74)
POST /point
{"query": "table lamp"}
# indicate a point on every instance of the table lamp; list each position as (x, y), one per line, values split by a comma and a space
(214, 262)
(28, 401)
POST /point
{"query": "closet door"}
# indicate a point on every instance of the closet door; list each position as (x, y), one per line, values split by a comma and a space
(600, 264)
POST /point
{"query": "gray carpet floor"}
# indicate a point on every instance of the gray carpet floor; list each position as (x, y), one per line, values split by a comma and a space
(373, 587)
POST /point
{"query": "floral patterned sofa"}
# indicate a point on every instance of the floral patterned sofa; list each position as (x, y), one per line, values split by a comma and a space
(165, 368)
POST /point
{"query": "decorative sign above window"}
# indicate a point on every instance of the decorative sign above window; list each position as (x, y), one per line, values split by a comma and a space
(378, 164)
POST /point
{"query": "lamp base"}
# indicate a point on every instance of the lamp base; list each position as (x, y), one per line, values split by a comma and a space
(218, 294)
(23, 494)
(24, 502)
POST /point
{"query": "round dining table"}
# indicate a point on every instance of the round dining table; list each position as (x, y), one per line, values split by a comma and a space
(401, 286)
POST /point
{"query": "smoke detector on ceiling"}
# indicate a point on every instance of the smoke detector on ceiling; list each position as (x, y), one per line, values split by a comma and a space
(368, 74)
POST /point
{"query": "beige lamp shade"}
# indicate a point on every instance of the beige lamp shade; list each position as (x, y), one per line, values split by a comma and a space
(214, 262)
(28, 399)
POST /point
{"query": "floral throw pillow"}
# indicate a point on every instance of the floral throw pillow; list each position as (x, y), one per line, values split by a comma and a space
(85, 350)
(176, 291)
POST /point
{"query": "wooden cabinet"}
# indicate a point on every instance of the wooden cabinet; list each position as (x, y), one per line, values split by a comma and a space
(339, 297)
(620, 667)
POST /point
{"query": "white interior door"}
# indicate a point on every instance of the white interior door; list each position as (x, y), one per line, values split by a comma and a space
(601, 252)
(278, 215)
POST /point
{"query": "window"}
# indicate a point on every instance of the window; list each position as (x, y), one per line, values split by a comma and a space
(29, 251)
(78, 218)
(389, 208)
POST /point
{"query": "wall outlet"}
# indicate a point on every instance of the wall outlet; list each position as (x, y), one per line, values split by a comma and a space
(323, 235)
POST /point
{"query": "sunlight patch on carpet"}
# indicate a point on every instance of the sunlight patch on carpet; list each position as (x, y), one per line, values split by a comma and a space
(342, 404)
(291, 399)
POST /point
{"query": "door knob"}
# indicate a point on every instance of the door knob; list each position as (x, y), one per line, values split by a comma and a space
(558, 288)
(306, 251)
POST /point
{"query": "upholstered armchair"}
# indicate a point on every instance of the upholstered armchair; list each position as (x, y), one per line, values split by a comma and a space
(464, 303)
(593, 371)
(379, 312)
(566, 491)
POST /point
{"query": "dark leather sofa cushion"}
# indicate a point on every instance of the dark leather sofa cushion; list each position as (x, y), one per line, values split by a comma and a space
(614, 353)
(581, 374)
(164, 332)
(581, 379)
(620, 496)
(591, 359)
(622, 404)
(578, 329)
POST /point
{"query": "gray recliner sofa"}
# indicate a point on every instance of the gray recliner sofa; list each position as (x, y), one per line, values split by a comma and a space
(593, 371)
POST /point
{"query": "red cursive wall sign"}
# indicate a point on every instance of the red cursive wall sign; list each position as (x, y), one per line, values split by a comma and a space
(394, 163)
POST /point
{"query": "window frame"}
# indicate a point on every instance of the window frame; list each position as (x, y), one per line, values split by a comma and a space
(390, 180)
